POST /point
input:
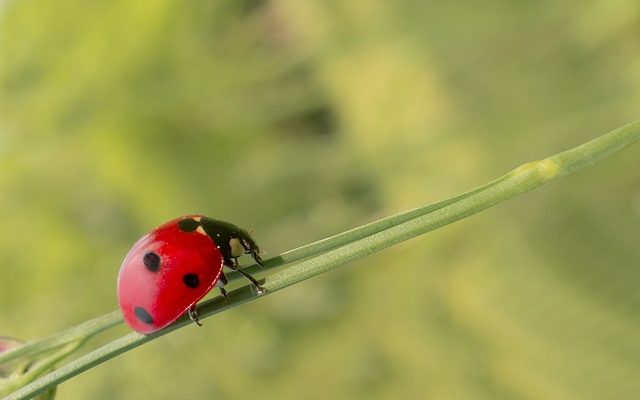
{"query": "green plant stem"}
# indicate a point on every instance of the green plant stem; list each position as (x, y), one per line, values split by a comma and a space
(354, 234)
(352, 245)
(79, 332)
(39, 368)
(102, 323)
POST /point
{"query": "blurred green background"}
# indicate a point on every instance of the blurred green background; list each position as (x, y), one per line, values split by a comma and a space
(301, 119)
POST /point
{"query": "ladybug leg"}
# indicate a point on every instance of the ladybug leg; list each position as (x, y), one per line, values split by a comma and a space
(236, 267)
(253, 250)
(257, 258)
(221, 282)
(193, 314)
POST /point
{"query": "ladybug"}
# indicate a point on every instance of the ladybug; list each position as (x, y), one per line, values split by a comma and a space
(172, 267)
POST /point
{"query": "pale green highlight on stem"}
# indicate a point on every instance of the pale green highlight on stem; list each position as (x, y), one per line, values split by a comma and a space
(337, 250)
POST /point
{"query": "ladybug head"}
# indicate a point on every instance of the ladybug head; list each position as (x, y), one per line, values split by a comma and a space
(243, 243)
(232, 240)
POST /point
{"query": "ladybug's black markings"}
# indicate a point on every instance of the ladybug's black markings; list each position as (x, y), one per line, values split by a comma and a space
(188, 225)
(191, 280)
(143, 315)
(152, 261)
(176, 251)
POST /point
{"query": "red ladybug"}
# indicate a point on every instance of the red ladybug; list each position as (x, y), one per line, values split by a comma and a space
(172, 267)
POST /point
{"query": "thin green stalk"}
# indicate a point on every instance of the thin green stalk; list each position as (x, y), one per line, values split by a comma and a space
(80, 332)
(354, 234)
(102, 323)
(39, 368)
(328, 254)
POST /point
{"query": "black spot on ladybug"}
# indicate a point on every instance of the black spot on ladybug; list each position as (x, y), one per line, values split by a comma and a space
(152, 261)
(143, 315)
(188, 225)
(191, 280)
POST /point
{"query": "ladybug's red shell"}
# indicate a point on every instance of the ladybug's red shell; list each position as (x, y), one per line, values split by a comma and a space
(165, 273)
